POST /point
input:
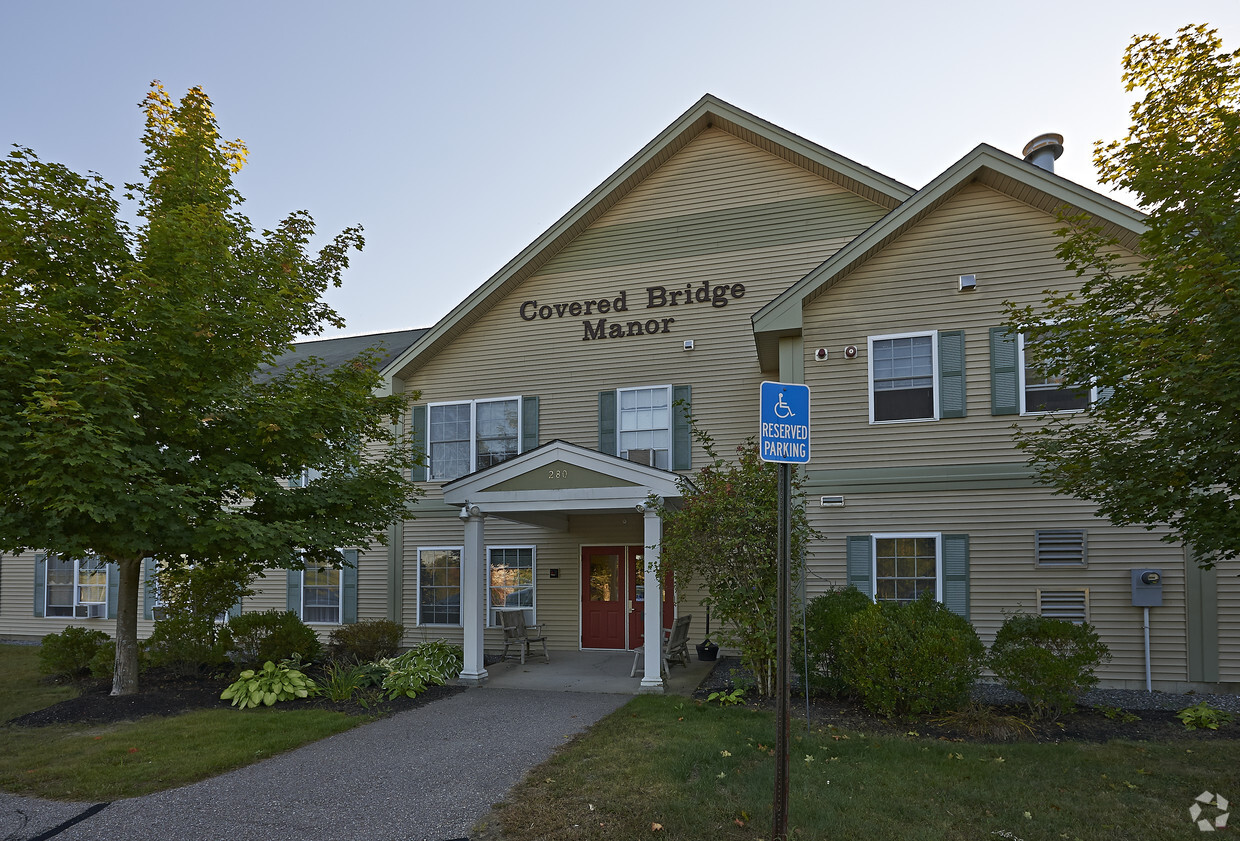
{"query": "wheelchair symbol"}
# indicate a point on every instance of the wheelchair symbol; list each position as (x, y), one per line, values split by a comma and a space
(782, 409)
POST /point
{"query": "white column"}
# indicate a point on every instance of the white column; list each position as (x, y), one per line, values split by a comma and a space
(652, 680)
(473, 580)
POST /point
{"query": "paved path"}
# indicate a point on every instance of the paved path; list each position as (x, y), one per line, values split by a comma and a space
(422, 775)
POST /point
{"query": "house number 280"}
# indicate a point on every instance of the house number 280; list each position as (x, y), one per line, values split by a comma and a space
(557, 474)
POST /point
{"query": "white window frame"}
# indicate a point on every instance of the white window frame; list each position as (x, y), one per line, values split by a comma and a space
(79, 609)
(492, 618)
(938, 558)
(1020, 385)
(339, 586)
(934, 373)
(460, 556)
(671, 421)
(473, 432)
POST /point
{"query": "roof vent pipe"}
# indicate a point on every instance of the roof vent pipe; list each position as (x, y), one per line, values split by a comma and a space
(1043, 150)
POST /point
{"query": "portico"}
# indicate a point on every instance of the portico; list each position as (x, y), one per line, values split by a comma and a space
(545, 487)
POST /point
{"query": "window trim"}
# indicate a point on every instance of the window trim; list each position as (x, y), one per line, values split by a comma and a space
(671, 421)
(934, 373)
(1021, 390)
(938, 559)
(533, 608)
(473, 432)
(460, 557)
(77, 587)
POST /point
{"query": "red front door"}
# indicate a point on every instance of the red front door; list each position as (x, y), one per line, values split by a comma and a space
(613, 597)
(602, 597)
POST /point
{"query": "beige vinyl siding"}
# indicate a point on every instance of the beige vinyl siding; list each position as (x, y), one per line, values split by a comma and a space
(1229, 621)
(1003, 577)
(912, 287)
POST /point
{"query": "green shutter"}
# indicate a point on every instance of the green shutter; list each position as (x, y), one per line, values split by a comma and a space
(1103, 394)
(1004, 383)
(956, 573)
(607, 442)
(682, 442)
(951, 374)
(348, 581)
(114, 589)
(529, 423)
(293, 602)
(860, 564)
(417, 439)
(40, 584)
(148, 587)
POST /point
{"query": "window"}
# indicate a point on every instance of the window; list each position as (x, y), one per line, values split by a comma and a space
(903, 377)
(439, 586)
(645, 424)
(906, 566)
(1059, 548)
(510, 579)
(77, 588)
(1042, 390)
(320, 594)
(464, 437)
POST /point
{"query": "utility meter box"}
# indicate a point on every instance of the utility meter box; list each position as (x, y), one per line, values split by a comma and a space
(1146, 587)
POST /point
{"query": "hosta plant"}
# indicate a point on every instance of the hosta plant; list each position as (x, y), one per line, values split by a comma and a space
(268, 685)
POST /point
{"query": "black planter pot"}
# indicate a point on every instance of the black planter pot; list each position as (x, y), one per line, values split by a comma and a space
(707, 650)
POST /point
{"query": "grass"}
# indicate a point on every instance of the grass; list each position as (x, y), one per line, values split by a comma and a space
(707, 772)
(127, 759)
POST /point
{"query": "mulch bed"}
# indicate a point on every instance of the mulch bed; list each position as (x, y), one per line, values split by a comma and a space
(1008, 723)
(165, 695)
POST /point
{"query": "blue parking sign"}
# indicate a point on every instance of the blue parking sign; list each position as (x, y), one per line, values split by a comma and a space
(785, 423)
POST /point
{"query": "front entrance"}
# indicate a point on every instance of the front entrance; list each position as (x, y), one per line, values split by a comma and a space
(613, 596)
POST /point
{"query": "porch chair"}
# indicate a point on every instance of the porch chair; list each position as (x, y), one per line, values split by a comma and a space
(517, 633)
(675, 647)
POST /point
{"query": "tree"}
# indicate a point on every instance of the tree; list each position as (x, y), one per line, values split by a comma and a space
(1161, 339)
(724, 532)
(145, 419)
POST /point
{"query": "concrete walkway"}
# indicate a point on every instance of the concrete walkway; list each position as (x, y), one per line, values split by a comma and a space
(422, 775)
(426, 774)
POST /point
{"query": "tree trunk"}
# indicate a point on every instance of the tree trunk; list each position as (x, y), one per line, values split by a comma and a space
(125, 671)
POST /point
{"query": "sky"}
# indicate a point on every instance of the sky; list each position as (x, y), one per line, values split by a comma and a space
(456, 133)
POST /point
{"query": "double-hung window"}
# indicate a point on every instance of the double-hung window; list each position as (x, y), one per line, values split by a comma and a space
(320, 594)
(903, 377)
(645, 425)
(469, 436)
(76, 587)
(1043, 390)
(439, 585)
(510, 579)
(906, 567)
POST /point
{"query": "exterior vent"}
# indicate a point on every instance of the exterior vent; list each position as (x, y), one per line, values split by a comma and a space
(1044, 150)
(1059, 548)
(1071, 605)
(832, 502)
(645, 457)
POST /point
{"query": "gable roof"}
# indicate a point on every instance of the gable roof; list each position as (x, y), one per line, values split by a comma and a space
(984, 165)
(336, 352)
(708, 112)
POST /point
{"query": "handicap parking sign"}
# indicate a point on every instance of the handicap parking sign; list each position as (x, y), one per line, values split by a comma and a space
(784, 417)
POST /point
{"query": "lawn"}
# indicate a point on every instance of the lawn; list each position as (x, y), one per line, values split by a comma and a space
(127, 759)
(670, 768)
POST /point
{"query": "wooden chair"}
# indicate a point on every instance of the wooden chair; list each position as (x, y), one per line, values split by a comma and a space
(675, 647)
(517, 633)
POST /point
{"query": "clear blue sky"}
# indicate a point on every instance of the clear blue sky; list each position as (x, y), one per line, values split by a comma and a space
(457, 132)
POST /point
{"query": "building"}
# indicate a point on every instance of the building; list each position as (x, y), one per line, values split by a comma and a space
(725, 253)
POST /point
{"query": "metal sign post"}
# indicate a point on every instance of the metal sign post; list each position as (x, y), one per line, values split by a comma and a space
(784, 439)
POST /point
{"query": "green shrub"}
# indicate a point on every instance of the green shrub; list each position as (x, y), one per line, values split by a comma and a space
(1049, 661)
(186, 644)
(366, 641)
(342, 680)
(431, 663)
(267, 686)
(1203, 715)
(909, 659)
(254, 638)
(69, 653)
(826, 618)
